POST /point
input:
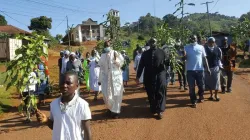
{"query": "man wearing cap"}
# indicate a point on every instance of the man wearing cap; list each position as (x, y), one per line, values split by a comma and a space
(214, 54)
(154, 63)
(195, 56)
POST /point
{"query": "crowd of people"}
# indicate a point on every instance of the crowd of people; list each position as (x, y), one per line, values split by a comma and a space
(207, 66)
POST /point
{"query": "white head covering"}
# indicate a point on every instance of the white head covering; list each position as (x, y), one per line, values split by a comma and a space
(211, 38)
(225, 38)
(66, 52)
(72, 53)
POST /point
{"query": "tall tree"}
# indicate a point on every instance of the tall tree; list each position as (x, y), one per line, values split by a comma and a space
(127, 28)
(242, 17)
(171, 20)
(2, 20)
(148, 23)
(59, 37)
(40, 24)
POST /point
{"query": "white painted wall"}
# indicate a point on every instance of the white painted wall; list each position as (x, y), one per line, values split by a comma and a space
(13, 45)
(80, 33)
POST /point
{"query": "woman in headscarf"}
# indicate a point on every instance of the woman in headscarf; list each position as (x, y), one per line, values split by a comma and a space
(86, 70)
(137, 62)
(214, 55)
(125, 68)
(94, 71)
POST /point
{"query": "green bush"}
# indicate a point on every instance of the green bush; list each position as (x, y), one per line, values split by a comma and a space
(245, 63)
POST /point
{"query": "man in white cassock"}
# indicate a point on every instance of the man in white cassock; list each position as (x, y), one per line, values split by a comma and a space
(110, 79)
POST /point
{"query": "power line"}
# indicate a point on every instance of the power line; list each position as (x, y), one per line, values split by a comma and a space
(214, 5)
(30, 7)
(30, 13)
(61, 7)
(60, 23)
(13, 18)
(32, 16)
(18, 14)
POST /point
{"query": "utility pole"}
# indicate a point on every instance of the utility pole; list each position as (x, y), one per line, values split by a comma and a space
(155, 26)
(68, 30)
(208, 2)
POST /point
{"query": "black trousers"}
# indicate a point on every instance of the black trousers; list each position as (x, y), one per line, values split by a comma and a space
(156, 91)
(182, 76)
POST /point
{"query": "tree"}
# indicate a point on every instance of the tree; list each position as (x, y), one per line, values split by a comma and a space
(148, 24)
(171, 20)
(242, 17)
(2, 20)
(59, 37)
(40, 24)
(241, 32)
(127, 28)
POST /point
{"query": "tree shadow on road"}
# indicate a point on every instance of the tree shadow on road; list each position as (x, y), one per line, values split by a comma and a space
(134, 108)
(17, 124)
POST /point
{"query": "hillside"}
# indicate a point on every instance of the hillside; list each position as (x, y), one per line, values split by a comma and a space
(218, 22)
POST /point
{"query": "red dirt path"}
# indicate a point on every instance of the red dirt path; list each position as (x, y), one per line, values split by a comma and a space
(224, 120)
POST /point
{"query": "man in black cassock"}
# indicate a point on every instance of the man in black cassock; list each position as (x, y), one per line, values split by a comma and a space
(154, 62)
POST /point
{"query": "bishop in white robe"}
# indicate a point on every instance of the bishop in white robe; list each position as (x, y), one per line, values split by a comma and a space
(111, 81)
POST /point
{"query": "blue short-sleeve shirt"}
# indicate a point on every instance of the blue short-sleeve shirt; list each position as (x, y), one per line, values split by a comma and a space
(194, 54)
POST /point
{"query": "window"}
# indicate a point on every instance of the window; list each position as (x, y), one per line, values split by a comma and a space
(93, 31)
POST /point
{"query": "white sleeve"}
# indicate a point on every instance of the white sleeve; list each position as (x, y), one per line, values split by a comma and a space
(51, 115)
(136, 62)
(100, 63)
(119, 60)
(203, 52)
(85, 112)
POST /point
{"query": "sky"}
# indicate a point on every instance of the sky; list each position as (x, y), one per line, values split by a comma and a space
(19, 12)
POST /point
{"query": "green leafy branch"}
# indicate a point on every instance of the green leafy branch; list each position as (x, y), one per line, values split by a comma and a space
(27, 58)
(112, 26)
(241, 32)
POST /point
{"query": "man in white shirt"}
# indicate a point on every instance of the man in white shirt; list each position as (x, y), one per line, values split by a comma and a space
(69, 114)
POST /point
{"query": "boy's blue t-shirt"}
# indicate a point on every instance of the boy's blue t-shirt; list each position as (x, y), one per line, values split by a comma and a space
(194, 54)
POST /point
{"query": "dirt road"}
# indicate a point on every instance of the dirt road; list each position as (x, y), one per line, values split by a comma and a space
(228, 119)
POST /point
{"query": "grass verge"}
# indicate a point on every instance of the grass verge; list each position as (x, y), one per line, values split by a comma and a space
(5, 96)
